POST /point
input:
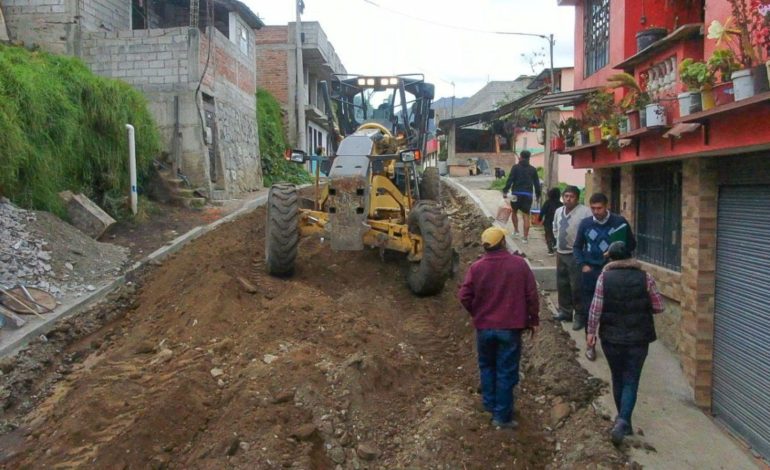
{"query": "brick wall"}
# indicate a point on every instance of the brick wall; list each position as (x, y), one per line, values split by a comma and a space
(110, 15)
(700, 197)
(272, 61)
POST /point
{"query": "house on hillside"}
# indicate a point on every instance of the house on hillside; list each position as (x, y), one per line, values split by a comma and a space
(197, 69)
(477, 132)
(276, 72)
(695, 185)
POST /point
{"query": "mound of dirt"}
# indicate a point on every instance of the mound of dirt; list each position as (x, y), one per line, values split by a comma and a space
(337, 367)
(37, 249)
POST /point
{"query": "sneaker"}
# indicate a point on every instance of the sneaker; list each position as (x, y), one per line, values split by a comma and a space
(524, 240)
(561, 316)
(516, 234)
(512, 424)
(578, 324)
(591, 354)
(619, 431)
(551, 253)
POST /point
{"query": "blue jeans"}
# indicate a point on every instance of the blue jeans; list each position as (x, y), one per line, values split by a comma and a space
(626, 362)
(499, 353)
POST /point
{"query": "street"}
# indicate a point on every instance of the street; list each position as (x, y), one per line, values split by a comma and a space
(207, 362)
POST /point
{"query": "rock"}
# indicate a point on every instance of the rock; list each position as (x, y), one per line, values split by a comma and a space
(304, 432)
(367, 451)
(268, 358)
(233, 446)
(283, 397)
(216, 372)
(244, 446)
(337, 454)
(90, 288)
(246, 285)
(145, 347)
(559, 412)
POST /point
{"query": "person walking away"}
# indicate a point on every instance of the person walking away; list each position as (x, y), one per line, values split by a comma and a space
(547, 212)
(522, 178)
(625, 300)
(593, 238)
(500, 293)
(566, 220)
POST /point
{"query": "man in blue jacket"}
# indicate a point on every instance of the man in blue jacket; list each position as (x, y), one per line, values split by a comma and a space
(594, 237)
(500, 293)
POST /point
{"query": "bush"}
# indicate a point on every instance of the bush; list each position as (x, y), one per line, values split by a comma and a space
(63, 127)
(272, 144)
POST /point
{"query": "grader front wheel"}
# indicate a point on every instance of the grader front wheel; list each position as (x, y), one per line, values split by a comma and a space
(427, 277)
(282, 232)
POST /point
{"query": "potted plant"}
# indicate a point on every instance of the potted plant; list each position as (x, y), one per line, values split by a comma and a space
(655, 114)
(736, 33)
(648, 36)
(634, 101)
(568, 129)
(696, 76)
(600, 106)
(722, 64)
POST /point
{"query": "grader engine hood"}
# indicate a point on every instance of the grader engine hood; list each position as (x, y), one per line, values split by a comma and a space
(348, 203)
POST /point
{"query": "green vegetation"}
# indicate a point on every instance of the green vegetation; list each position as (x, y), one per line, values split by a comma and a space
(272, 144)
(63, 128)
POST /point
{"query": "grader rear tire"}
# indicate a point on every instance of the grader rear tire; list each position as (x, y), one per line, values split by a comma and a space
(427, 277)
(282, 232)
(430, 186)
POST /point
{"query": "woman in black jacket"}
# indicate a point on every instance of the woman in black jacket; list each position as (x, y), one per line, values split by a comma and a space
(546, 216)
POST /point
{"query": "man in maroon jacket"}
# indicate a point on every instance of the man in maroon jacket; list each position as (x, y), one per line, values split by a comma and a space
(500, 293)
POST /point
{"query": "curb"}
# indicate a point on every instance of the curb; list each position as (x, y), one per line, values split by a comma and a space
(81, 304)
(544, 275)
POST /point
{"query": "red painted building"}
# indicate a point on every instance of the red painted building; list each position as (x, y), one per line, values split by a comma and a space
(696, 191)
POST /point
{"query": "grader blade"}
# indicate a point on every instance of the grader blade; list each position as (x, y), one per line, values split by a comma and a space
(347, 212)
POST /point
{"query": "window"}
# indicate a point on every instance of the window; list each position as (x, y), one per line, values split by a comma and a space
(243, 40)
(659, 214)
(596, 35)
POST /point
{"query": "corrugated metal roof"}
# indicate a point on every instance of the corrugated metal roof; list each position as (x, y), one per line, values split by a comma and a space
(493, 93)
(564, 98)
(508, 108)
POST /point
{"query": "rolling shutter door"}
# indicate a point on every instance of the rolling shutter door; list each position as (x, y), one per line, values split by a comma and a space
(741, 388)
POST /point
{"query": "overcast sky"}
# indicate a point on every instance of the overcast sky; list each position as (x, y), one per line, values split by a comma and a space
(408, 36)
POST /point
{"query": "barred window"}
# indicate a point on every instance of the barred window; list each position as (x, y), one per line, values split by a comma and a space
(659, 214)
(596, 37)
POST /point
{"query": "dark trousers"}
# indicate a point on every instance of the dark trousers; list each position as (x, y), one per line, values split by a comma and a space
(626, 362)
(588, 286)
(550, 240)
(568, 285)
(499, 353)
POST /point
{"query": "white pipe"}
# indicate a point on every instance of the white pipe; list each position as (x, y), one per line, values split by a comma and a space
(132, 166)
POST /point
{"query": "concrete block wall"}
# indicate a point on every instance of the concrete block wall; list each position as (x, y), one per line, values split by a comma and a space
(151, 60)
(109, 15)
(51, 24)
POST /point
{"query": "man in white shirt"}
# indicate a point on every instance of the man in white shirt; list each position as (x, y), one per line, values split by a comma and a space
(568, 281)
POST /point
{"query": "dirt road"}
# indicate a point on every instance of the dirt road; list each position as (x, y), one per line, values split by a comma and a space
(209, 363)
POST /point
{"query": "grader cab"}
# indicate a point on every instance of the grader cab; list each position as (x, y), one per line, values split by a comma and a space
(376, 194)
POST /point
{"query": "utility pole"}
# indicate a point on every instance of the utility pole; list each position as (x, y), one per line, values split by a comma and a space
(300, 79)
(453, 99)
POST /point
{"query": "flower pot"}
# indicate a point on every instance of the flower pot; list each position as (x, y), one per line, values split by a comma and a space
(767, 71)
(645, 38)
(743, 84)
(759, 74)
(642, 118)
(557, 144)
(579, 139)
(708, 100)
(633, 120)
(607, 131)
(594, 134)
(723, 93)
(569, 141)
(656, 114)
(689, 102)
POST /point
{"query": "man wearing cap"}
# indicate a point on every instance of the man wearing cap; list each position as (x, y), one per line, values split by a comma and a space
(500, 293)
(521, 180)
(624, 301)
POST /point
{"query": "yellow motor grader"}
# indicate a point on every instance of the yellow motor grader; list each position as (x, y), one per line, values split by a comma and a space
(376, 194)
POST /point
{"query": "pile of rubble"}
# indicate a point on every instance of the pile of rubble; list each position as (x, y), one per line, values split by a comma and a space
(39, 250)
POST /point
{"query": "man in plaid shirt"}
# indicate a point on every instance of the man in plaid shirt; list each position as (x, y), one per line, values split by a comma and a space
(623, 304)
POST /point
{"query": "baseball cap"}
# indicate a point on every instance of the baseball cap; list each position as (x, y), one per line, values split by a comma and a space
(492, 236)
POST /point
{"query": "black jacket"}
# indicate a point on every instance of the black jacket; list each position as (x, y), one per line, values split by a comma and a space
(549, 210)
(521, 179)
(627, 310)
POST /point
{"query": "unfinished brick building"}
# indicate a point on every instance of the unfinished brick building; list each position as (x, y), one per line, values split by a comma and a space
(195, 62)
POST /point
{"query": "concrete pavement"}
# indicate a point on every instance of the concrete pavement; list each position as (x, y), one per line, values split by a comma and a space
(677, 434)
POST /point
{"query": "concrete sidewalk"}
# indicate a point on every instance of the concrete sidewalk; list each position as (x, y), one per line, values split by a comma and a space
(682, 436)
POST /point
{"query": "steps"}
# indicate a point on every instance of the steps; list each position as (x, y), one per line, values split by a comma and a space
(180, 193)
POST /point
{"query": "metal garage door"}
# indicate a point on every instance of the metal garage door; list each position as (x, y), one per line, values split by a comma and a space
(741, 395)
